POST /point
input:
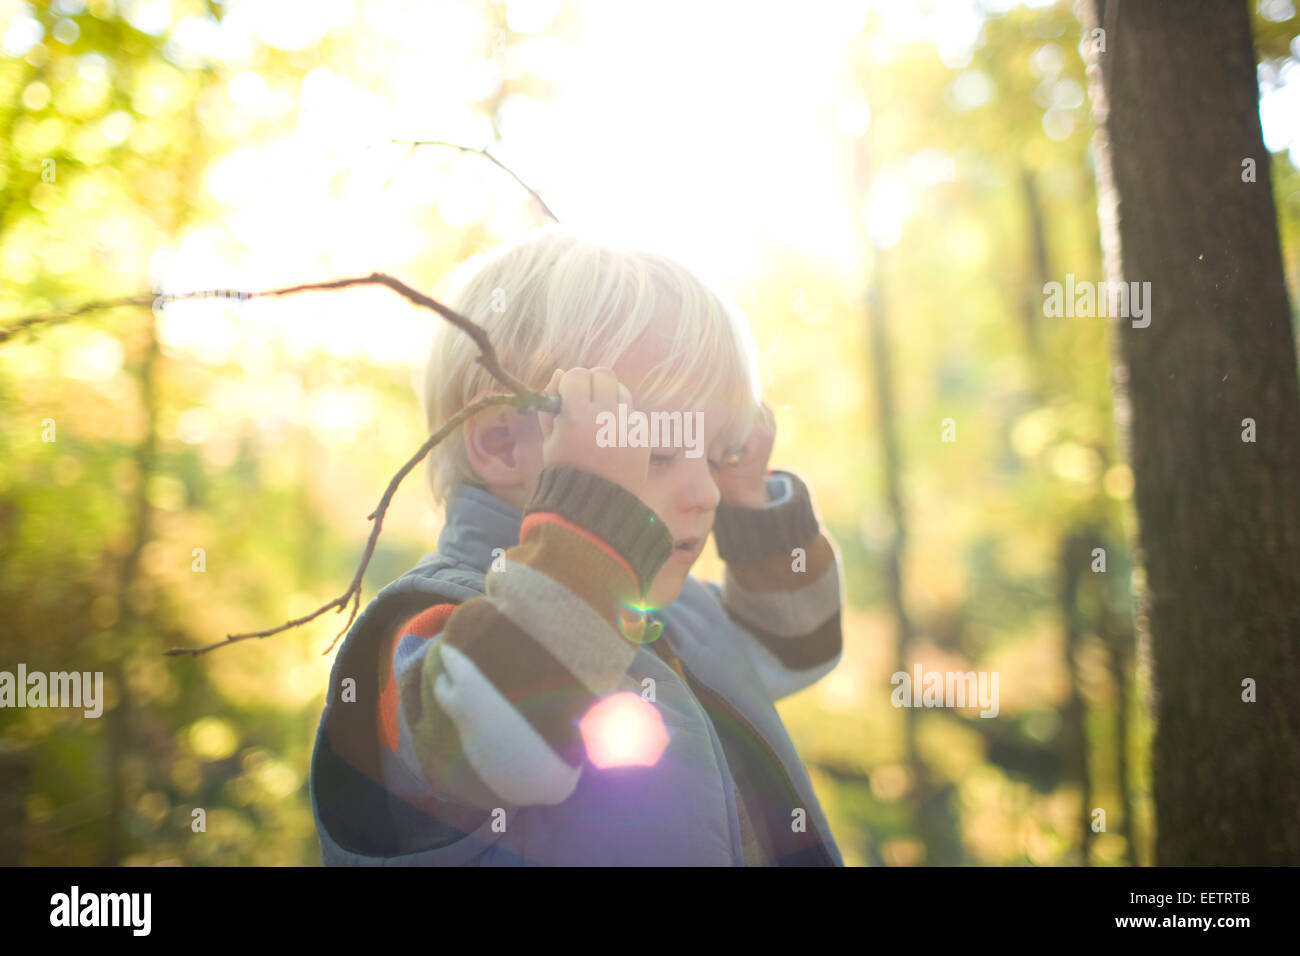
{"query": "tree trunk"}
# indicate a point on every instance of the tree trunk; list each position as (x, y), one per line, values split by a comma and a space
(1176, 107)
(931, 803)
(15, 778)
(882, 367)
(1041, 270)
(1074, 564)
(120, 734)
(1119, 659)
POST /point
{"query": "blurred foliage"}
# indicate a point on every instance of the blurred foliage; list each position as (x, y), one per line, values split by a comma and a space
(268, 457)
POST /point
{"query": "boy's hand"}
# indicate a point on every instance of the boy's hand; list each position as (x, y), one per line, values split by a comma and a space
(740, 477)
(569, 437)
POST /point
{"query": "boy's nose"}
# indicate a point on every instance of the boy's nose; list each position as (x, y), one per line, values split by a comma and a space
(699, 490)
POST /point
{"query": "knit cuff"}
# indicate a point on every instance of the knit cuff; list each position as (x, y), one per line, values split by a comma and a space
(752, 534)
(610, 512)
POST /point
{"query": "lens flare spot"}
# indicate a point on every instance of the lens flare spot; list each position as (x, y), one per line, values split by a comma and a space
(624, 730)
(637, 624)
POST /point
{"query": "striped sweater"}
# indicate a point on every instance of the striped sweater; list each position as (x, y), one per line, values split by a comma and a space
(489, 702)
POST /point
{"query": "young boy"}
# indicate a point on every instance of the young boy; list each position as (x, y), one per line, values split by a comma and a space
(551, 686)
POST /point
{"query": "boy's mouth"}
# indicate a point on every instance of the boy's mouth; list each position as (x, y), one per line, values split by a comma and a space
(687, 547)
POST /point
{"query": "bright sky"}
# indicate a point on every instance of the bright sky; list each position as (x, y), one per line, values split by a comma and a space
(722, 133)
(719, 133)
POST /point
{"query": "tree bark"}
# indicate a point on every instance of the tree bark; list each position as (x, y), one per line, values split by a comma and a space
(1039, 263)
(1176, 108)
(882, 368)
(120, 733)
(15, 779)
(1073, 565)
(931, 803)
(1119, 659)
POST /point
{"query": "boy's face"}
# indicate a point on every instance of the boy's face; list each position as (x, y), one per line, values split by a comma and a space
(681, 490)
(680, 486)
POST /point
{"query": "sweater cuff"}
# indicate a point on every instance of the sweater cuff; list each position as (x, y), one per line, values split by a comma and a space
(610, 512)
(752, 534)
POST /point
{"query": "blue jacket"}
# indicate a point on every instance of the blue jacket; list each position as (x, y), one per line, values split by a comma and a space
(681, 811)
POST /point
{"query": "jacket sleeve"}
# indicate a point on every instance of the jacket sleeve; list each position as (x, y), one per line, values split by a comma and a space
(487, 696)
(782, 586)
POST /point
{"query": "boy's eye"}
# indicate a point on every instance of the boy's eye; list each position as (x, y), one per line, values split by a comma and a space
(663, 461)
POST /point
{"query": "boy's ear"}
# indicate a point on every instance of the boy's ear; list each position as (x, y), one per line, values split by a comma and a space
(492, 444)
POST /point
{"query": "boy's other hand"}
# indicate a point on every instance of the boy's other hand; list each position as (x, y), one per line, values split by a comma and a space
(740, 478)
(569, 437)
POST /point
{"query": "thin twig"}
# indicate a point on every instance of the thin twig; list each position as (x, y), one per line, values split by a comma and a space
(484, 153)
(402, 162)
(487, 358)
(50, 317)
(520, 395)
(353, 593)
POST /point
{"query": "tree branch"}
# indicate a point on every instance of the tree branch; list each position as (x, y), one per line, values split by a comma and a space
(46, 318)
(413, 143)
(488, 358)
(353, 593)
(520, 395)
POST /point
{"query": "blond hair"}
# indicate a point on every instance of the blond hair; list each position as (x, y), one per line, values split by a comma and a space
(558, 300)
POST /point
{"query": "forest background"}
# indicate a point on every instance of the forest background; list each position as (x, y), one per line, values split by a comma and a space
(878, 185)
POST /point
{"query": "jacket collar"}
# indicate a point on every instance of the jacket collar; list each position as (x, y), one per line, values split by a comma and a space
(476, 523)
